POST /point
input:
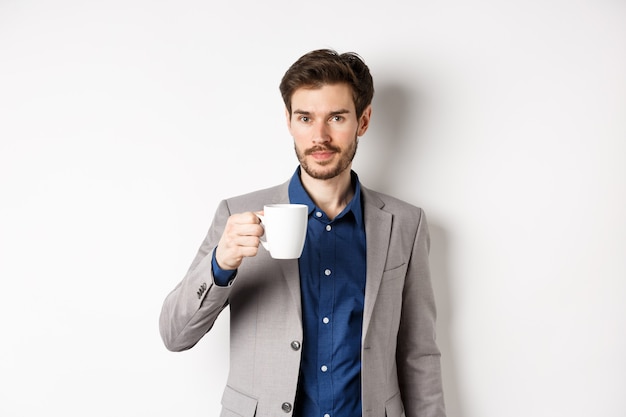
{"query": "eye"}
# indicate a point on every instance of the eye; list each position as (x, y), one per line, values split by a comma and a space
(304, 119)
(337, 118)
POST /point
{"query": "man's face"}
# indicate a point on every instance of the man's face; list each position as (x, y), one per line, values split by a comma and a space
(325, 128)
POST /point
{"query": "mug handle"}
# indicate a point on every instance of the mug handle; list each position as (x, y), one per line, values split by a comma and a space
(264, 243)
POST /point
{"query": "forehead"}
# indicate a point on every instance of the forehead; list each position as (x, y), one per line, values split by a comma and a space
(328, 97)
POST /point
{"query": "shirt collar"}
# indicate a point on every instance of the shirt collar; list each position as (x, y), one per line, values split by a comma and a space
(298, 195)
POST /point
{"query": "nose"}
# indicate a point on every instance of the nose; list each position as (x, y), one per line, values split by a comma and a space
(321, 132)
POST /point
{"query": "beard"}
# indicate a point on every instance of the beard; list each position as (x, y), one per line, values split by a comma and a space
(330, 169)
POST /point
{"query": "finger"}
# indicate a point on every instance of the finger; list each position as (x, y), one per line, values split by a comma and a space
(231, 253)
(242, 225)
(248, 242)
(245, 218)
(245, 248)
(249, 251)
(249, 230)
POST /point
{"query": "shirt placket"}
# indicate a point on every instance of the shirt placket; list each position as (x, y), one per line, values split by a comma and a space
(325, 316)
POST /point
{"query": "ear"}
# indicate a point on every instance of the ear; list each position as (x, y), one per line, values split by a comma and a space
(364, 121)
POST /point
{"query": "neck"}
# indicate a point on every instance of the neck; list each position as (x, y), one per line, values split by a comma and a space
(331, 195)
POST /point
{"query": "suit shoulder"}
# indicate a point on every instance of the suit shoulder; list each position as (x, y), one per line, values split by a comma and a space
(254, 201)
(391, 204)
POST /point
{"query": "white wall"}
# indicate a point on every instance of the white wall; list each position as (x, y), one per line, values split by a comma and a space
(123, 123)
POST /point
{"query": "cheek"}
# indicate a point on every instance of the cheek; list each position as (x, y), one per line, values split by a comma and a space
(345, 135)
(298, 133)
(299, 142)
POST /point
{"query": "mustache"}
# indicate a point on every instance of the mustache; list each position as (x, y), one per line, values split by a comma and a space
(322, 149)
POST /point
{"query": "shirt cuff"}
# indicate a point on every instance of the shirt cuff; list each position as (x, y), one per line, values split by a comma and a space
(222, 277)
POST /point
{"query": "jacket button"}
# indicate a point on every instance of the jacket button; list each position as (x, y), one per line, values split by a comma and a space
(286, 407)
(295, 345)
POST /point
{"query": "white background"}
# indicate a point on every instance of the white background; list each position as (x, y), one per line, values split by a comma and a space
(124, 123)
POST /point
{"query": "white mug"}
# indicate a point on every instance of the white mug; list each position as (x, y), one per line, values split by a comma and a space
(285, 229)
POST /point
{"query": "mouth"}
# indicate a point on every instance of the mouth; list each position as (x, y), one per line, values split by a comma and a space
(322, 153)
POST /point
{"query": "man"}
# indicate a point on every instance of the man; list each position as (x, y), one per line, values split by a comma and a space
(347, 330)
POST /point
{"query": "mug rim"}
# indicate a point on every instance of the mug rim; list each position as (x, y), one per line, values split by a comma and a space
(286, 205)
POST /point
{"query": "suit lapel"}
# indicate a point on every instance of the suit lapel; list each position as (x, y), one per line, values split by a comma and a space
(291, 273)
(377, 235)
(289, 267)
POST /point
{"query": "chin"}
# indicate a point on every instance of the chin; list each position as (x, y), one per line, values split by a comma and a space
(326, 173)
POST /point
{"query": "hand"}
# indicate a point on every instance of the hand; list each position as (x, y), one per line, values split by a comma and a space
(240, 239)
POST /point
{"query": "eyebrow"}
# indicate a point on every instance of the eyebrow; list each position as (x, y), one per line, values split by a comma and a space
(332, 113)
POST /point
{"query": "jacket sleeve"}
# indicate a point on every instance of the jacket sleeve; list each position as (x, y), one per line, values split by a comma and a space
(190, 310)
(417, 354)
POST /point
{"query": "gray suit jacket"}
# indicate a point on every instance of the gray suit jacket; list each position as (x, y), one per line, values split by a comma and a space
(400, 360)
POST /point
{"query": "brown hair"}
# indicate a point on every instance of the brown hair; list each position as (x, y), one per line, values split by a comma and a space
(325, 66)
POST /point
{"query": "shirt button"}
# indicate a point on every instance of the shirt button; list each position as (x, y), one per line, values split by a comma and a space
(325, 320)
(328, 227)
(326, 415)
(327, 272)
(295, 345)
(286, 407)
(318, 214)
(324, 368)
